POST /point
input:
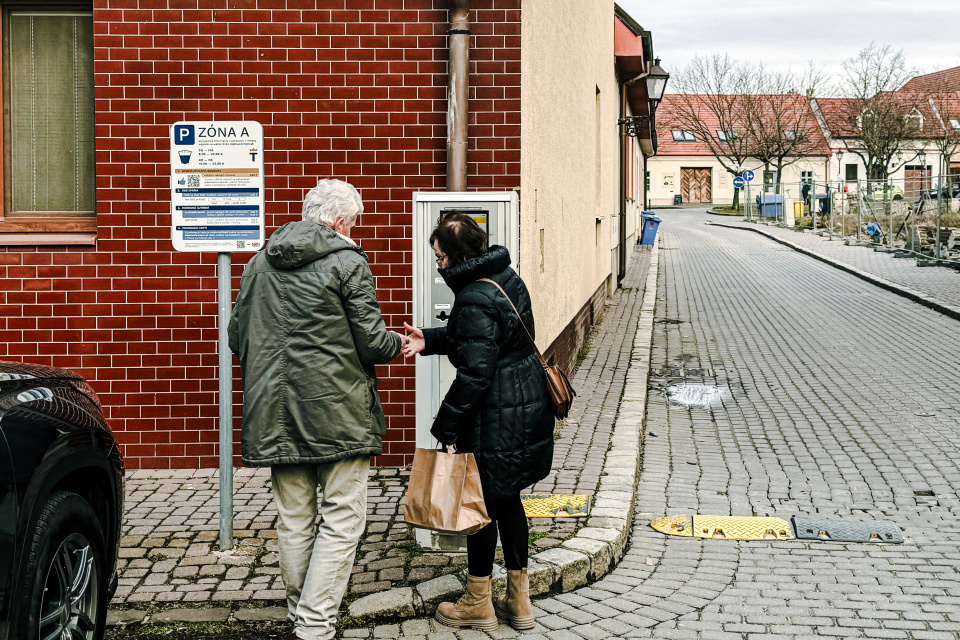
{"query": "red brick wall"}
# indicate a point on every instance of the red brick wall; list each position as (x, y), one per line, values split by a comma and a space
(351, 89)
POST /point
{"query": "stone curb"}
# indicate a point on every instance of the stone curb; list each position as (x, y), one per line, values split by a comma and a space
(892, 287)
(592, 552)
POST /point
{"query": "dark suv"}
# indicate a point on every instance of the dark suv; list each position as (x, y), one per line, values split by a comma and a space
(61, 503)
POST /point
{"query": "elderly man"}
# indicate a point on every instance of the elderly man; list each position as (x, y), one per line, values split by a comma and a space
(308, 331)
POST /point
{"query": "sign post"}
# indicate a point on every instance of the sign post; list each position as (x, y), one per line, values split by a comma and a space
(217, 204)
(748, 177)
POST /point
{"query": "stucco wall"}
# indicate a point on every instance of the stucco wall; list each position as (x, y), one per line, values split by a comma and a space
(567, 125)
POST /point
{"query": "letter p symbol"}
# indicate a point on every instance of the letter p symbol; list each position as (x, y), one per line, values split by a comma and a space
(184, 134)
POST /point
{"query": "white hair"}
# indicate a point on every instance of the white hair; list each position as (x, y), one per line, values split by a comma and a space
(332, 200)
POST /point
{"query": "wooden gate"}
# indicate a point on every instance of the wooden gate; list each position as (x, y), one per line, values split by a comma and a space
(916, 180)
(695, 184)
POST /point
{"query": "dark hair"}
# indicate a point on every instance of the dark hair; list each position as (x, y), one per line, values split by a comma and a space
(459, 237)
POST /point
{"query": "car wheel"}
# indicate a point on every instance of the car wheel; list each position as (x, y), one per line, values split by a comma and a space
(66, 587)
(898, 197)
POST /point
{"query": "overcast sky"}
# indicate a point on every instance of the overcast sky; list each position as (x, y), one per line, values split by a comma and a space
(784, 34)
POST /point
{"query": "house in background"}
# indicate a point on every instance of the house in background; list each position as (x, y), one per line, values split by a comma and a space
(686, 168)
(89, 279)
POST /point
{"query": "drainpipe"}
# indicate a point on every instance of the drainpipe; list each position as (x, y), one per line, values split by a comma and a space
(457, 95)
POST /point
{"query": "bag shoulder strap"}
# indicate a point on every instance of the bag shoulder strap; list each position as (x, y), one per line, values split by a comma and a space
(533, 344)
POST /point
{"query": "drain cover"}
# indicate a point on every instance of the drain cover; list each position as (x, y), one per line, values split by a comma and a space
(553, 505)
(846, 530)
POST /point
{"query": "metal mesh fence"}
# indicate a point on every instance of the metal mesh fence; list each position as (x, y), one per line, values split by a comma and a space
(915, 214)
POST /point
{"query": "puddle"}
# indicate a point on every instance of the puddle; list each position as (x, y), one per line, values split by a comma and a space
(694, 394)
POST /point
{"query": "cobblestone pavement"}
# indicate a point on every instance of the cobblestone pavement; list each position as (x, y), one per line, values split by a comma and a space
(169, 549)
(941, 284)
(830, 398)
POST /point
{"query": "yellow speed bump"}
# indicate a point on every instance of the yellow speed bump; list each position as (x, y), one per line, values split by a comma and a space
(726, 527)
(553, 505)
(674, 525)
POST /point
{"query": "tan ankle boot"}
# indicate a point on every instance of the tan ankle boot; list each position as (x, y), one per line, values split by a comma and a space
(474, 609)
(515, 605)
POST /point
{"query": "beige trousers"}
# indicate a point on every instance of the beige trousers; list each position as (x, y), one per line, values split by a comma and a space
(315, 563)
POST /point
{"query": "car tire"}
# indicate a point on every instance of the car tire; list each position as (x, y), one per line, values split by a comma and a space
(65, 586)
(898, 197)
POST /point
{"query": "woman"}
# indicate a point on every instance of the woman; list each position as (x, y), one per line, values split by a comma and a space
(497, 408)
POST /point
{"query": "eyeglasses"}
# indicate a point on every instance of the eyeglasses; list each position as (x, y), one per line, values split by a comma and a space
(441, 260)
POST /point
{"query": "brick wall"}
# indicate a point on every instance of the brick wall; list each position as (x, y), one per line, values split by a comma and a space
(351, 89)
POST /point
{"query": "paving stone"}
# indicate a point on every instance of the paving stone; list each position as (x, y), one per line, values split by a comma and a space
(207, 614)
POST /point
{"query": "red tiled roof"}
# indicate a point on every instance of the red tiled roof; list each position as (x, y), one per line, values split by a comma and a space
(668, 109)
(946, 80)
(837, 114)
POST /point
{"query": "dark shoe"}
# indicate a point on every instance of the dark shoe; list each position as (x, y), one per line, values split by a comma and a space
(515, 605)
(474, 609)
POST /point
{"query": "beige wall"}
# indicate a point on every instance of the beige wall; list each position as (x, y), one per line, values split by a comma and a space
(567, 130)
(665, 177)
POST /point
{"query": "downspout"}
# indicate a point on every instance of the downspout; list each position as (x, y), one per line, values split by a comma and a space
(624, 172)
(458, 94)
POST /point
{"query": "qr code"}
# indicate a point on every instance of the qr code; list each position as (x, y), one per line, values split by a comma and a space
(241, 244)
(193, 181)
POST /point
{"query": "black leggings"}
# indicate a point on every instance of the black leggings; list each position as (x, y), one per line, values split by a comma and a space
(507, 515)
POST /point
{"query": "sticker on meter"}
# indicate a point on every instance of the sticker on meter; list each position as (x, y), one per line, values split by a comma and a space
(443, 307)
(438, 281)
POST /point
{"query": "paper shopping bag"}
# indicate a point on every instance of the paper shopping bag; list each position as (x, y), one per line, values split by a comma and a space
(444, 493)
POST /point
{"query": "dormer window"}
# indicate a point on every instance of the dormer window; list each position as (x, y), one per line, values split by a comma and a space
(725, 135)
(914, 120)
(681, 135)
(955, 123)
(793, 134)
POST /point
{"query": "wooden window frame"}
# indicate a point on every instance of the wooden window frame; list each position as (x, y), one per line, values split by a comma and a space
(50, 228)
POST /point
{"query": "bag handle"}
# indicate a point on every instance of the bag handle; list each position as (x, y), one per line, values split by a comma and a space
(543, 363)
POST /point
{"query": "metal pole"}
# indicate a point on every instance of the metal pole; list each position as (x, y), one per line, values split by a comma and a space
(748, 202)
(888, 203)
(813, 206)
(224, 296)
(936, 234)
(457, 94)
(860, 205)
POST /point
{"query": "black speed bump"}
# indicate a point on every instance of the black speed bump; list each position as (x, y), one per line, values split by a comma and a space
(807, 528)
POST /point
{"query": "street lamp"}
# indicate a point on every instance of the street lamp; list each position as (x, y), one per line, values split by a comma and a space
(656, 79)
(656, 84)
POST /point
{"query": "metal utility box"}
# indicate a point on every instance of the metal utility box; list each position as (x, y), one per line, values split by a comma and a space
(497, 213)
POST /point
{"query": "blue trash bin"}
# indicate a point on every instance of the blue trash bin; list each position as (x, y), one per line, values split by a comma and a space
(769, 205)
(650, 223)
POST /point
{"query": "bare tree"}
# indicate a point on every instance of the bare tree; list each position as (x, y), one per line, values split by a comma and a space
(781, 126)
(880, 120)
(712, 106)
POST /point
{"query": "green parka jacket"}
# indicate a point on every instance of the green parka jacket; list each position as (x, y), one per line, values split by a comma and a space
(308, 331)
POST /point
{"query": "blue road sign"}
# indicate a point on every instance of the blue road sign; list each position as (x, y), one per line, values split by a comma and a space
(738, 182)
(748, 175)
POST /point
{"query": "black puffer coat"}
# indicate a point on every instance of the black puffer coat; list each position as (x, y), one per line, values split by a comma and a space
(497, 406)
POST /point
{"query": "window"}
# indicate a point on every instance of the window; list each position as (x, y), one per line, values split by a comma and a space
(914, 120)
(48, 141)
(727, 134)
(793, 134)
(955, 123)
(680, 135)
(806, 177)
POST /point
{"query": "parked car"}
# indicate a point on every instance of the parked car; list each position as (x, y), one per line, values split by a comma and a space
(882, 192)
(947, 191)
(61, 503)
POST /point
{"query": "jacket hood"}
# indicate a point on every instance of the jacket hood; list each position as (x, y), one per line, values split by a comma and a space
(298, 243)
(491, 263)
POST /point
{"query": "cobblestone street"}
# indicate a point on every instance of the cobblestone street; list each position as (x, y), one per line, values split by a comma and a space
(813, 392)
(836, 398)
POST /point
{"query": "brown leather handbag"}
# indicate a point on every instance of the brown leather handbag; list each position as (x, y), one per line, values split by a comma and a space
(558, 385)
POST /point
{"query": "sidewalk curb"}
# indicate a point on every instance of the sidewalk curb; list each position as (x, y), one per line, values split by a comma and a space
(892, 287)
